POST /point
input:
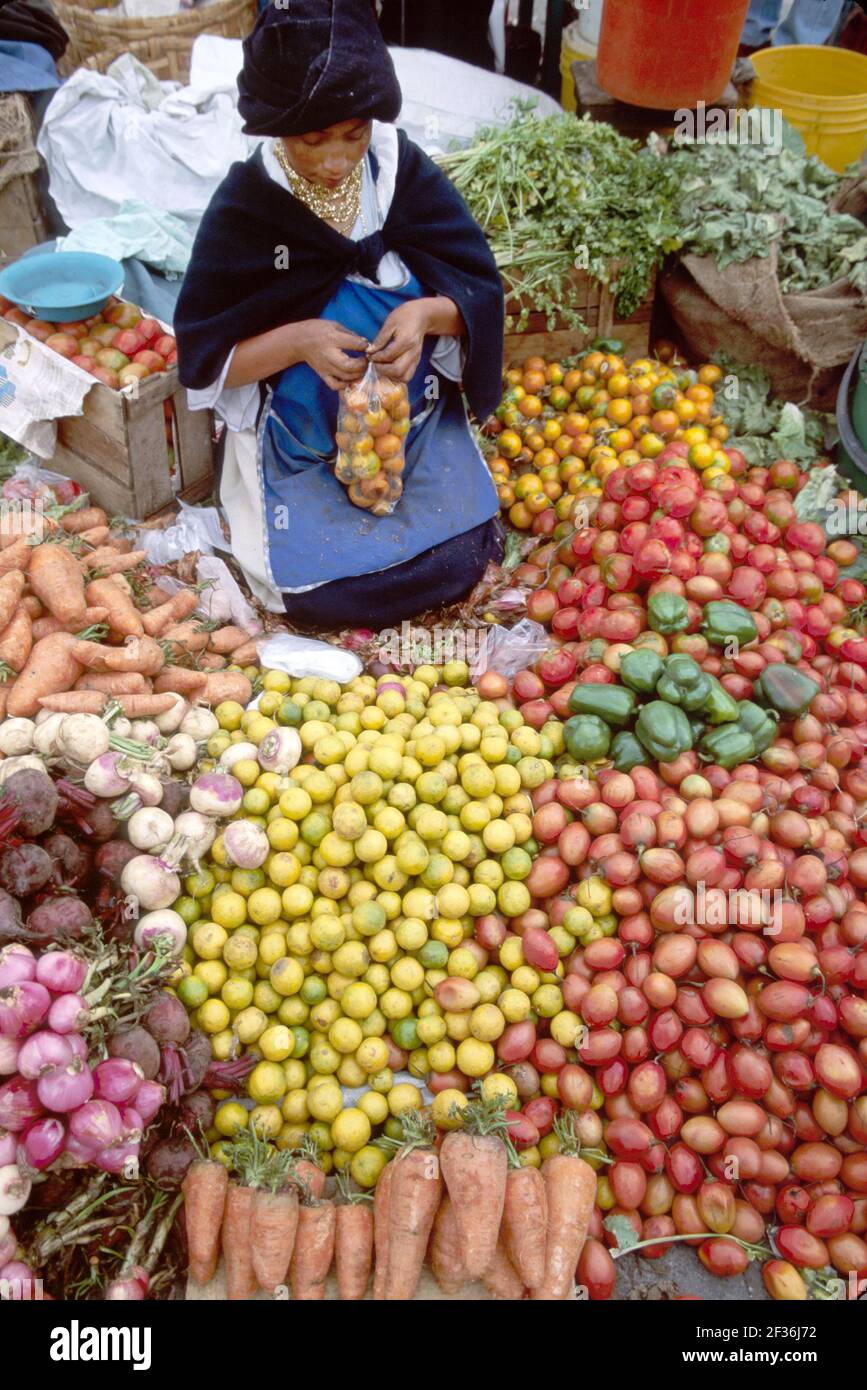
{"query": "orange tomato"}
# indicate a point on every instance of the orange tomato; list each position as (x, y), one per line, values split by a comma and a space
(520, 516)
(650, 445)
(619, 411)
(535, 364)
(575, 424)
(664, 422)
(620, 440)
(701, 455)
(559, 398)
(709, 374)
(533, 382)
(571, 381)
(527, 484)
(554, 375)
(545, 458)
(530, 407)
(699, 393)
(563, 446)
(551, 430)
(582, 444)
(510, 444)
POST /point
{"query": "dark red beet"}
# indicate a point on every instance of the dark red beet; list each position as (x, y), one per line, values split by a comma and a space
(71, 861)
(36, 797)
(197, 1111)
(60, 917)
(168, 1020)
(168, 1161)
(25, 868)
(112, 857)
(136, 1045)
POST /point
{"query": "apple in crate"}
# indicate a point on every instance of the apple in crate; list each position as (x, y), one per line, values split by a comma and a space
(105, 333)
(152, 360)
(90, 346)
(86, 363)
(149, 329)
(64, 343)
(128, 340)
(106, 376)
(111, 358)
(123, 315)
(164, 344)
(16, 316)
(133, 371)
(78, 330)
(38, 328)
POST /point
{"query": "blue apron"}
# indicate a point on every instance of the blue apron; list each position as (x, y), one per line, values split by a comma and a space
(313, 533)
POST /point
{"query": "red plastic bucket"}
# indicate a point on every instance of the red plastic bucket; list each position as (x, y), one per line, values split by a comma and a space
(668, 53)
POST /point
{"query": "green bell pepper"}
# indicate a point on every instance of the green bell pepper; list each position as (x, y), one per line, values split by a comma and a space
(667, 613)
(720, 707)
(664, 730)
(786, 689)
(587, 738)
(626, 752)
(683, 682)
(612, 703)
(640, 670)
(727, 746)
(724, 621)
(761, 723)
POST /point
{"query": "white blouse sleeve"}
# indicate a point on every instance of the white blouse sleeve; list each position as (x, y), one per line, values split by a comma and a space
(237, 406)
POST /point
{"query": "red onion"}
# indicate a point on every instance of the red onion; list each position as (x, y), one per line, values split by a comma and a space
(18, 1279)
(128, 1290)
(117, 1079)
(68, 1014)
(41, 1052)
(41, 1143)
(132, 1122)
(121, 1159)
(19, 1104)
(65, 1088)
(149, 1098)
(8, 1246)
(97, 1124)
(22, 1008)
(61, 972)
(78, 1045)
(82, 1152)
(8, 1146)
(14, 1189)
(17, 963)
(9, 1049)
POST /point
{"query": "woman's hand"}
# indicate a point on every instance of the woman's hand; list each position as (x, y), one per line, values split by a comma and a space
(325, 346)
(399, 343)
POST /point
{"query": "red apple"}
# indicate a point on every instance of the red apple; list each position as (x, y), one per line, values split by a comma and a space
(85, 362)
(149, 330)
(16, 316)
(107, 376)
(38, 328)
(128, 340)
(111, 358)
(4, 304)
(105, 333)
(94, 319)
(64, 343)
(164, 344)
(133, 371)
(124, 315)
(151, 360)
(90, 346)
(172, 358)
(77, 329)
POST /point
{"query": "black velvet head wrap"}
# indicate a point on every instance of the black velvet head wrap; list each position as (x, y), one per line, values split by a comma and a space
(309, 64)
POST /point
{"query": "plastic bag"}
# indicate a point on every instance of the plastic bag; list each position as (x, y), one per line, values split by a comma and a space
(196, 528)
(223, 599)
(372, 425)
(30, 483)
(510, 650)
(305, 656)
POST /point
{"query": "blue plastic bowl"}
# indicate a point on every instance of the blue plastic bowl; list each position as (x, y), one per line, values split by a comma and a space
(62, 286)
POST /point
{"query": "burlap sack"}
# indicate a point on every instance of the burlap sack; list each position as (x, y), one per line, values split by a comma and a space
(17, 144)
(803, 341)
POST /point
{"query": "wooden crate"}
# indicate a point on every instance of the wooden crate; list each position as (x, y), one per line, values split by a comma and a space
(117, 449)
(595, 303)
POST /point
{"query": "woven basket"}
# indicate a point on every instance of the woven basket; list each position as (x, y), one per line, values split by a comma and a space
(168, 59)
(91, 33)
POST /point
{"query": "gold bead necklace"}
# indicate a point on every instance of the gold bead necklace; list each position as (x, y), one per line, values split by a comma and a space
(340, 206)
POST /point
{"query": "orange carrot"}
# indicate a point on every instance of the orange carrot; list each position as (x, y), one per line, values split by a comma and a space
(97, 535)
(311, 1176)
(122, 615)
(224, 640)
(180, 680)
(16, 639)
(185, 638)
(226, 685)
(51, 667)
(137, 654)
(204, 1189)
(381, 1202)
(155, 597)
(246, 655)
(157, 620)
(273, 1227)
(34, 606)
(501, 1279)
(237, 1252)
(570, 1186)
(445, 1250)
(43, 626)
(313, 1252)
(11, 589)
(132, 706)
(55, 577)
(416, 1188)
(16, 556)
(353, 1245)
(83, 519)
(113, 682)
(107, 560)
(474, 1163)
(525, 1223)
(5, 691)
(20, 525)
(212, 661)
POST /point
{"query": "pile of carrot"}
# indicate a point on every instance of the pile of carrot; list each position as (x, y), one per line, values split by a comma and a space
(66, 581)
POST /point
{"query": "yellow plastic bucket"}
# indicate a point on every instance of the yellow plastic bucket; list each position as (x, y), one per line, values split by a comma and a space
(573, 49)
(822, 92)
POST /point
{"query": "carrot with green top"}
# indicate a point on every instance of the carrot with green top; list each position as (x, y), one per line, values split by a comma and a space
(570, 1186)
(414, 1195)
(475, 1161)
(353, 1241)
(525, 1222)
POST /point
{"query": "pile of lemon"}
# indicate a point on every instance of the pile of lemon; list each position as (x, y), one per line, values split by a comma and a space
(562, 430)
(408, 818)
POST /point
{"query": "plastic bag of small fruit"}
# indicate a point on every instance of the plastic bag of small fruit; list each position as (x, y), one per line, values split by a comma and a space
(372, 425)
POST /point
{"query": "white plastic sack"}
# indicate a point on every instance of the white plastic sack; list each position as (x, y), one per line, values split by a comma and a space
(159, 239)
(510, 650)
(37, 388)
(223, 600)
(303, 656)
(197, 528)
